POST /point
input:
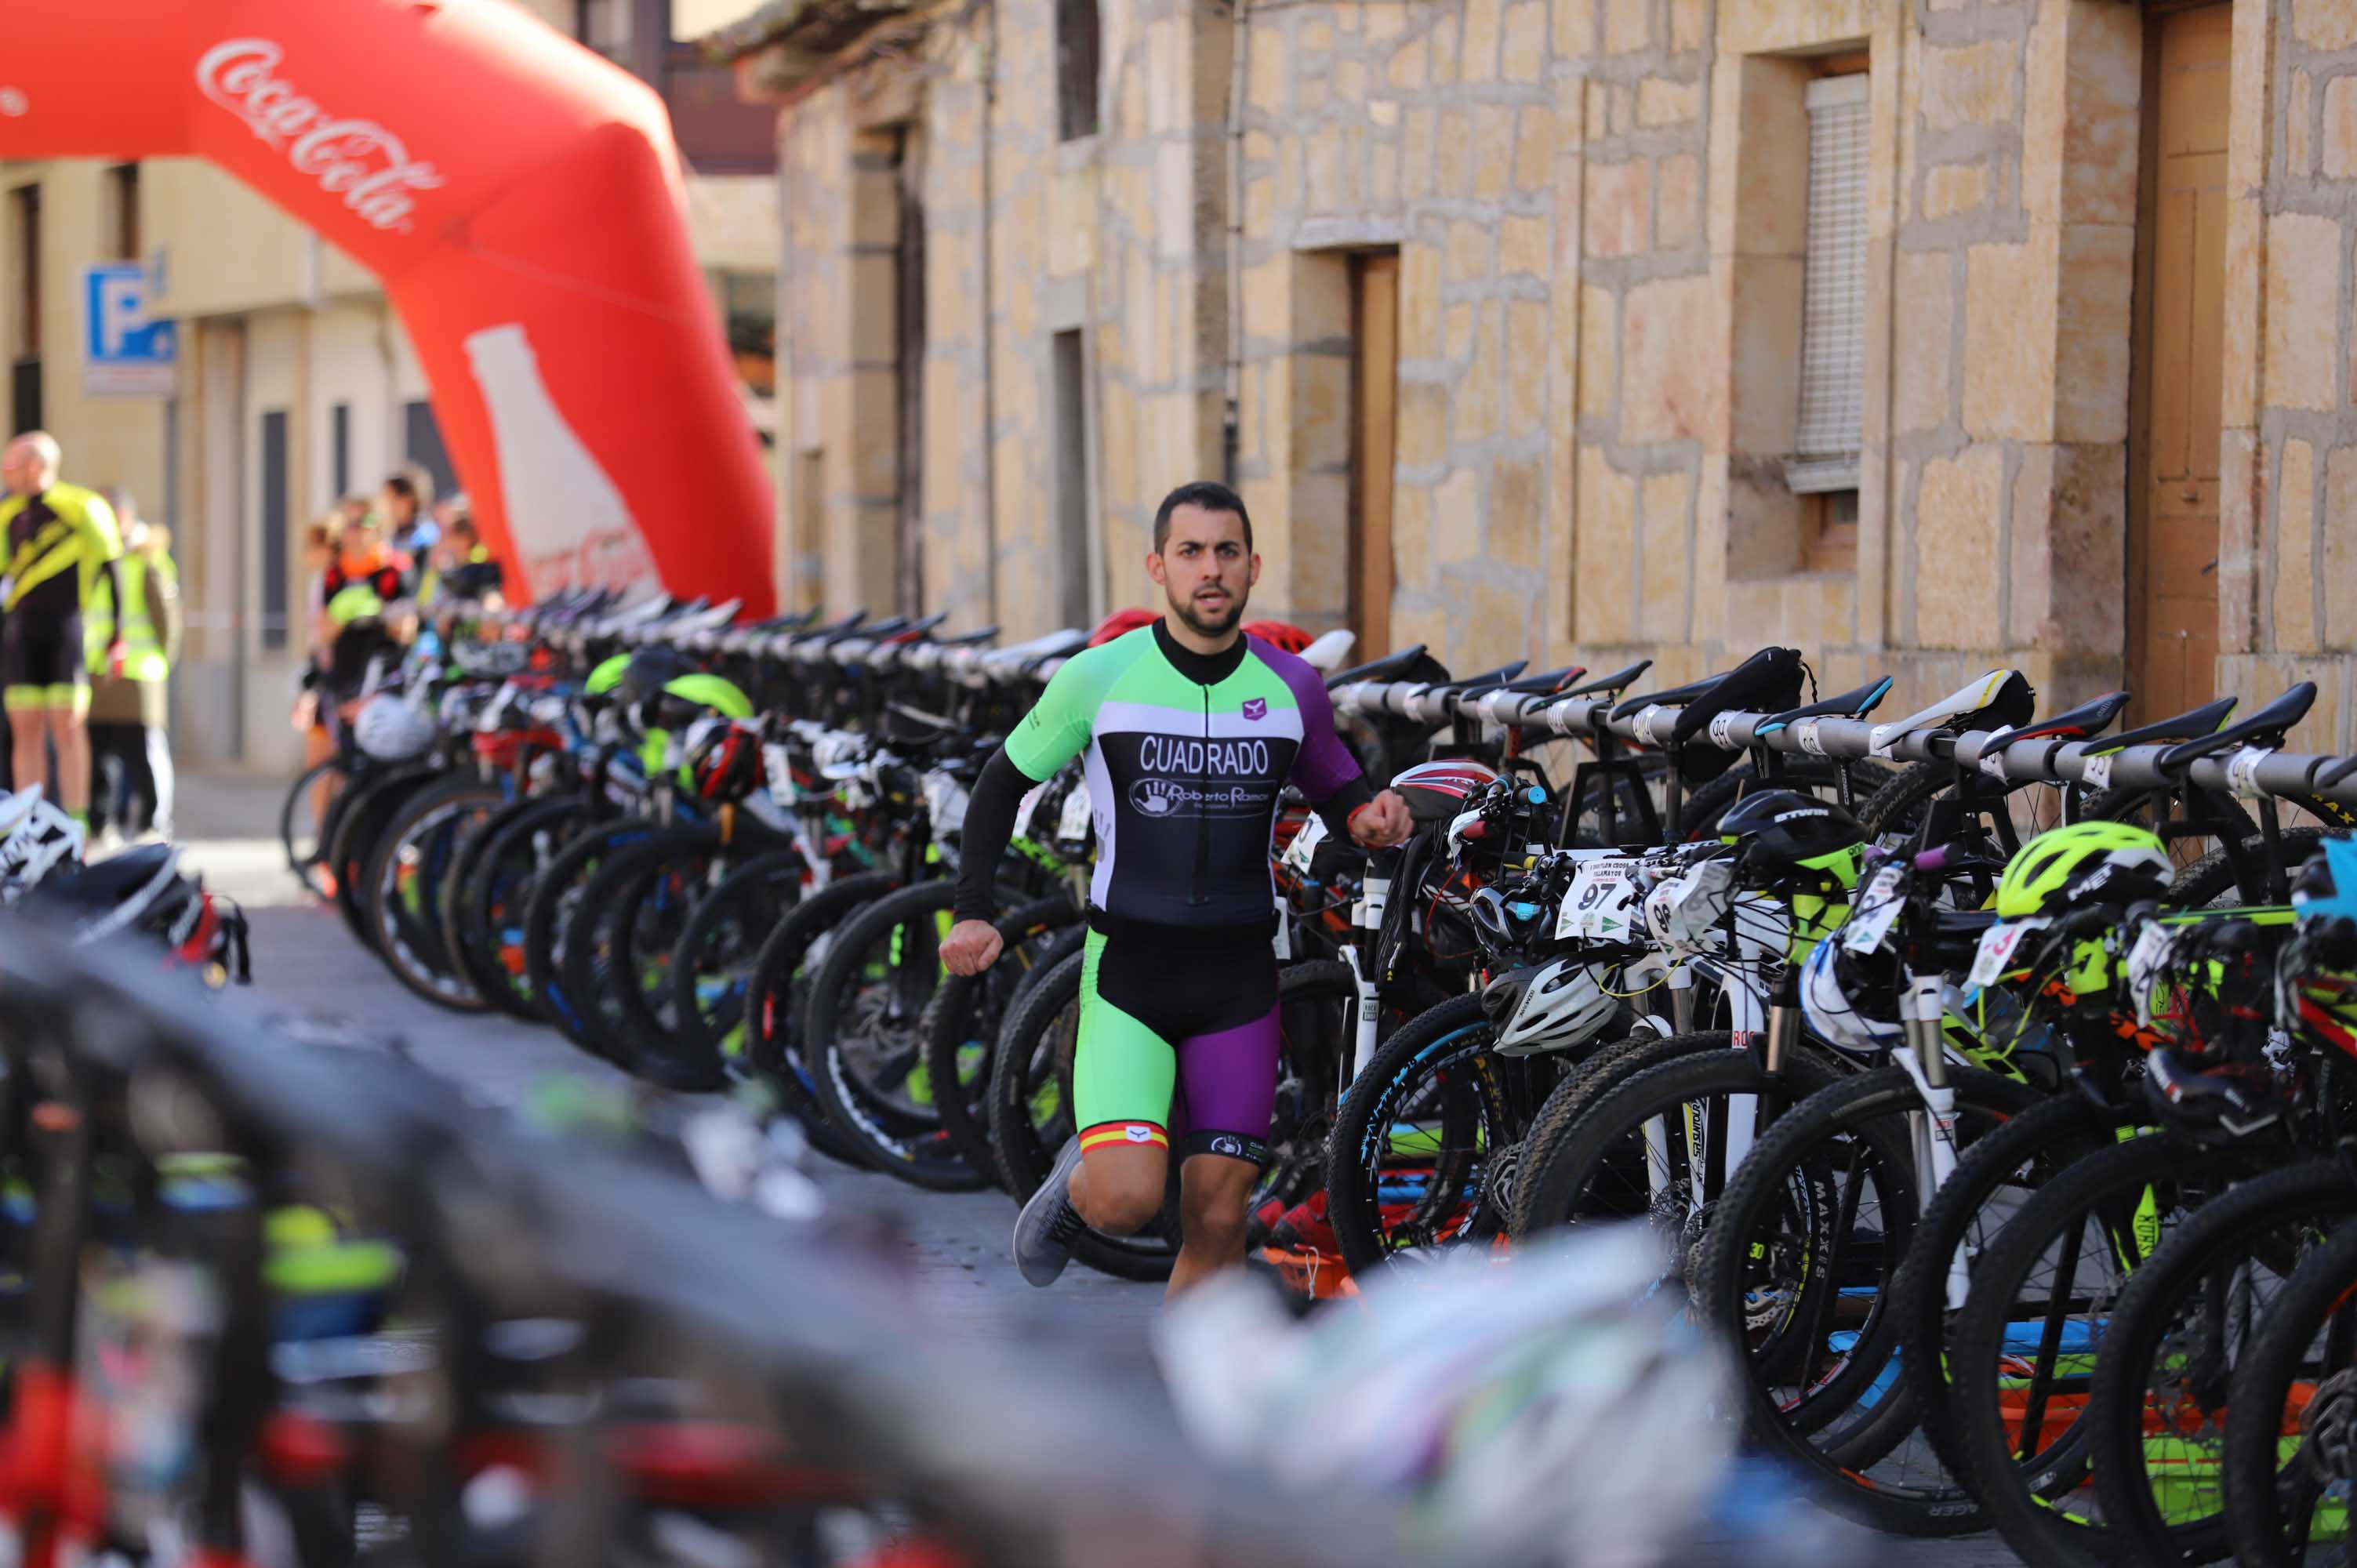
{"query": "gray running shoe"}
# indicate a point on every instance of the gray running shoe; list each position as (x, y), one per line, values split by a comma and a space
(1045, 1230)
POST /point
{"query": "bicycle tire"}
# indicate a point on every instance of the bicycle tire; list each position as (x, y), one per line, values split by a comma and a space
(1870, 1109)
(305, 864)
(712, 967)
(2315, 1303)
(550, 915)
(773, 1006)
(966, 1013)
(1024, 1158)
(487, 910)
(900, 1139)
(2025, 1495)
(597, 965)
(357, 826)
(410, 941)
(2316, 1195)
(1597, 1075)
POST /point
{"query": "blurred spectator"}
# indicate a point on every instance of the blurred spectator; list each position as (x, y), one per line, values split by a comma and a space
(405, 513)
(131, 755)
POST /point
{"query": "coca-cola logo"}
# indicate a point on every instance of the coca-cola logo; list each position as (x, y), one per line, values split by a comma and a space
(608, 558)
(358, 160)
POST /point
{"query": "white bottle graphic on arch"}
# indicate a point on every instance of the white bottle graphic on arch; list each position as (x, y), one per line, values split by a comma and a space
(570, 525)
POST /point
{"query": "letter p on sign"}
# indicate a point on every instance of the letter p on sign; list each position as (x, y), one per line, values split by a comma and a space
(125, 354)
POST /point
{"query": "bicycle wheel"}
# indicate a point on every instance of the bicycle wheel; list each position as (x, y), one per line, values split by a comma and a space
(407, 883)
(2159, 1403)
(1031, 1115)
(1411, 1164)
(2021, 1356)
(1796, 1265)
(2288, 1412)
(487, 911)
(1991, 1182)
(1592, 1078)
(774, 994)
(712, 965)
(616, 961)
(861, 1041)
(961, 1025)
(360, 820)
(303, 825)
(556, 908)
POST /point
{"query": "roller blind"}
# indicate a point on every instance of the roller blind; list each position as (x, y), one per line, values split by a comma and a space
(1833, 308)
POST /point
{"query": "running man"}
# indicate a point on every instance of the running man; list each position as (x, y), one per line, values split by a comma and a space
(59, 540)
(1192, 729)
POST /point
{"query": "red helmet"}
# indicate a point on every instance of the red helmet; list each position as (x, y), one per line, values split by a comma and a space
(1120, 624)
(1283, 636)
(1437, 790)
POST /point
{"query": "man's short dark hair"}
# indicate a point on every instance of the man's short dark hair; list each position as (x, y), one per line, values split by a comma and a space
(1208, 494)
(413, 483)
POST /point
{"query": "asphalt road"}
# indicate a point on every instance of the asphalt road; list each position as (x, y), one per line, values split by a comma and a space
(307, 967)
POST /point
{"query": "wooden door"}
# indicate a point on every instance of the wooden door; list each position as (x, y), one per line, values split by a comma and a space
(2173, 476)
(1374, 386)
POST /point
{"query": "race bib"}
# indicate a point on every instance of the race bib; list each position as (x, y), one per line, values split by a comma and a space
(1877, 910)
(1304, 845)
(1997, 946)
(1602, 903)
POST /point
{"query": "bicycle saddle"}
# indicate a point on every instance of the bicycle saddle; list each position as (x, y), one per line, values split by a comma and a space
(916, 630)
(1612, 685)
(1390, 667)
(832, 629)
(1999, 697)
(2265, 728)
(1544, 683)
(2087, 720)
(2187, 725)
(971, 638)
(1487, 680)
(1848, 706)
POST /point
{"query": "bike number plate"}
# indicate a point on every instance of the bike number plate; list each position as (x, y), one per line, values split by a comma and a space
(1878, 911)
(2096, 773)
(1601, 902)
(2243, 772)
(1305, 845)
(1998, 944)
(1074, 825)
(1027, 809)
(778, 768)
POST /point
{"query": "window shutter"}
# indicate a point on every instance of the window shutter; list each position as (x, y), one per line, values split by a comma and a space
(1833, 308)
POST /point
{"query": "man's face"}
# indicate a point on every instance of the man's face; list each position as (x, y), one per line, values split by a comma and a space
(20, 468)
(1204, 569)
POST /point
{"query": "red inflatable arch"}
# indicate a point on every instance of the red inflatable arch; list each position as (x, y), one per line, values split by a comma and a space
(518, 196)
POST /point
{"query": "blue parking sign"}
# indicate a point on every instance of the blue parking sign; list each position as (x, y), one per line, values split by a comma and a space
(125, 354)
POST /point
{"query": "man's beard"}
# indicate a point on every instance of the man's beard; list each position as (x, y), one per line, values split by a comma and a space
(1185, 610)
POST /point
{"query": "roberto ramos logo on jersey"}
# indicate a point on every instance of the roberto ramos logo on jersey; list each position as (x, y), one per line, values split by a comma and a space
(1182, 797)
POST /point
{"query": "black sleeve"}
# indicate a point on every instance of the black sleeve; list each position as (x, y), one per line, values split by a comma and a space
(1336, 808)
(989, 823)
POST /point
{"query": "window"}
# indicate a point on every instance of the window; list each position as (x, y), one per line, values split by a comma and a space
(1076, 68)
(1074, 579)
(340, 448)
(25, 375)
(123, 199)
(421, 443)
(28, 270)
(1824, 461)
(274, 526)
(747, 303)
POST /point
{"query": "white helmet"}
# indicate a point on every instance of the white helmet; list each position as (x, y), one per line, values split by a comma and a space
(1549, 1007)
(390, 730)
(1842, 1011)
(42, 838)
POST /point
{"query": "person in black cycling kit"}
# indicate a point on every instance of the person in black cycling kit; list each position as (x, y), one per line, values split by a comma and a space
(1192, 729)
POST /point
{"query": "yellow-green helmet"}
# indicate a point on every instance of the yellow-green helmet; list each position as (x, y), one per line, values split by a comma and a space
(2118, 863)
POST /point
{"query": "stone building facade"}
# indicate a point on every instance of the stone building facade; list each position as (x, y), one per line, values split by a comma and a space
(1511, 319)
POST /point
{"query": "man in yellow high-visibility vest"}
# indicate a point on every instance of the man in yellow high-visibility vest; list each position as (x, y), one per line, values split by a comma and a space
(131, 754)
(59, 539)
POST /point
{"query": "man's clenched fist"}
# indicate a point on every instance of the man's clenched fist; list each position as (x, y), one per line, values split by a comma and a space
(971, 947)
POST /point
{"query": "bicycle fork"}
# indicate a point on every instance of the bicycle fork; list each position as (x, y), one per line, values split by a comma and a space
(1933, 1128)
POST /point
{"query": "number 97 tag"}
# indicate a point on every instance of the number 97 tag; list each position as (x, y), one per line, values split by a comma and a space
(1305, 845)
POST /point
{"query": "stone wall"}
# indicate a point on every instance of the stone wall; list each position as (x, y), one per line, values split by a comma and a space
(1598, 207)
(2287, 566)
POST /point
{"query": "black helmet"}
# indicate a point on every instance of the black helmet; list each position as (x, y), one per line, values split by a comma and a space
(1782, 829)
(649, 672)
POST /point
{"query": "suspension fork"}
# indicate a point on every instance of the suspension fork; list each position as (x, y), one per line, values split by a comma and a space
(1931, 1128)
